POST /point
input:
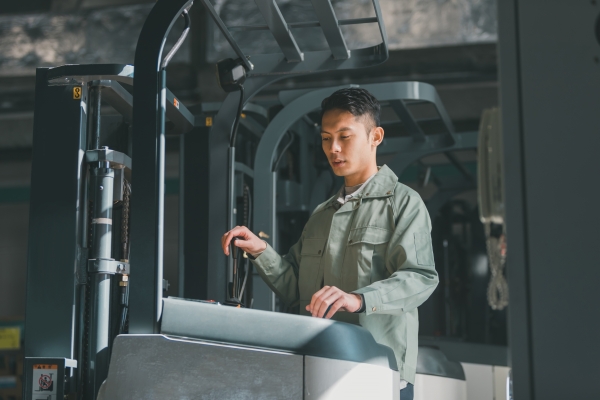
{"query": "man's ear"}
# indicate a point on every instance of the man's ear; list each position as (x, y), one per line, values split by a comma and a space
(377, 136)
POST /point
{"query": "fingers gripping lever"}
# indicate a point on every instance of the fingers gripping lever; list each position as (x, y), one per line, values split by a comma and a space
(238, 286)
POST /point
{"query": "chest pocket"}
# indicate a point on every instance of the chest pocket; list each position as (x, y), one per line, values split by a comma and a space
(365, 256)
(310, 267)
(369, 234)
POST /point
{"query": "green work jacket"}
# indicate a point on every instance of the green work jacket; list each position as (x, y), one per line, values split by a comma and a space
(377, 244)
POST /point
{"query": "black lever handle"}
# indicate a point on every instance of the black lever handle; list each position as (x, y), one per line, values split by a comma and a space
(233, 249)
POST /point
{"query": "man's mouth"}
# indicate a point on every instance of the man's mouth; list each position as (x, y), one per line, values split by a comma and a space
(337, 163)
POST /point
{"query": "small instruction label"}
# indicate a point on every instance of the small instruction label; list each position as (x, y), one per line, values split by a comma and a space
(44, 381)
(208, 121)
(175, 102)
(77, 93)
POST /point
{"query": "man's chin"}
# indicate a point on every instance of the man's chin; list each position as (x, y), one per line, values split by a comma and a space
(340, 171)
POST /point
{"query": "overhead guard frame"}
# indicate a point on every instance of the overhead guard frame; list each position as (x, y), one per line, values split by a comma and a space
(292, 60)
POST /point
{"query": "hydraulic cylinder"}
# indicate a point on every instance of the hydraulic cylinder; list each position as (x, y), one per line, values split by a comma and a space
(103, 180)
(100, 281)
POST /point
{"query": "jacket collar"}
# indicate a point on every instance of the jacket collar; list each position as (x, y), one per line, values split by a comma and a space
(382, 185)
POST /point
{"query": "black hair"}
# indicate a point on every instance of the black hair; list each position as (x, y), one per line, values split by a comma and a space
(358, 102)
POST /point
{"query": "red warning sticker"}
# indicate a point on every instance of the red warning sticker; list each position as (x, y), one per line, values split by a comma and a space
(45, 381)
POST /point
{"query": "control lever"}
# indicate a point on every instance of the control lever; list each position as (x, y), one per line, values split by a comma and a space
(237, 292)
(234, 249)
(234, 253)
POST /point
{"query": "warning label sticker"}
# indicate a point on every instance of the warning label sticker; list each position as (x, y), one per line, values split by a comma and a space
(44, 381)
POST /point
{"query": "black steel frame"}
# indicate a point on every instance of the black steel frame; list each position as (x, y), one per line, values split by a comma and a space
(147, 202)
(57, 261)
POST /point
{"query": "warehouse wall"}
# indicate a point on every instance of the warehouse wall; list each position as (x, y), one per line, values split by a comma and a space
(14, 224)
(14, 219)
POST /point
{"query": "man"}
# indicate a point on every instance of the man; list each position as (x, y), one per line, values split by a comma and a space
(365, 255)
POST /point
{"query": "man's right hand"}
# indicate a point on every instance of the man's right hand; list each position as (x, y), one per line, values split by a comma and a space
(249, 242)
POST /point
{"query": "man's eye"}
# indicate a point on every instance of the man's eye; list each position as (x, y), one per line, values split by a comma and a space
(345, 137)
(324, 139)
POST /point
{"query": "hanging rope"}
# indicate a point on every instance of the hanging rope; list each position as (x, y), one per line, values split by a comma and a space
(491, 203)
(497, 292)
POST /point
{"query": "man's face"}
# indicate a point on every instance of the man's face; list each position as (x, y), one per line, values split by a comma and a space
(347, 144)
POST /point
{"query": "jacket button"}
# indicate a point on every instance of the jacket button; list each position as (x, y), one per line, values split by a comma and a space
(350, 241)
(374, 309)
(390, 192)
(367, 194)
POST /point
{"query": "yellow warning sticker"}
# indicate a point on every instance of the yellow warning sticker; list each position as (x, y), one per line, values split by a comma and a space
(10, 338)
(77, 93)
(208, 121)
(175, 102)
(45, 366)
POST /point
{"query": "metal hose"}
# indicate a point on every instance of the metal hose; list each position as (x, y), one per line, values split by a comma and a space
(179, 42)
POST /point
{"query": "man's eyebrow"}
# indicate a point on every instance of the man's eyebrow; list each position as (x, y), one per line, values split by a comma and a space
(342, 129)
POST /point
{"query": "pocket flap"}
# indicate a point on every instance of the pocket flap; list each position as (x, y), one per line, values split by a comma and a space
(424, 249)
(369, 234)
(312, 247)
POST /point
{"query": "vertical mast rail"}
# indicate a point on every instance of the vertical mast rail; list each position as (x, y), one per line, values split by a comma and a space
(147, 203)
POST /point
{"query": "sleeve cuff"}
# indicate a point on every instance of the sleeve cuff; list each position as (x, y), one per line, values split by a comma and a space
(266, 259)
(253, 256)
(372, 301)
(362, 305)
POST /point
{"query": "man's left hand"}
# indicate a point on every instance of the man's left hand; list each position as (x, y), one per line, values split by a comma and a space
(331, 300)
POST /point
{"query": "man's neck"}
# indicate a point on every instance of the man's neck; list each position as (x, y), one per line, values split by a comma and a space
(360, 177)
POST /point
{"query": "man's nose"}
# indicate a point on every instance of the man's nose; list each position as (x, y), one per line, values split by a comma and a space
(335, 147)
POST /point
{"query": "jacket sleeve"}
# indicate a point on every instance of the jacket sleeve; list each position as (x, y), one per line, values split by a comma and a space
(280, 273)
(409, 260)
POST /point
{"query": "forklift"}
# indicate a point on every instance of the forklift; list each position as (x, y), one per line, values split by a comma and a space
(98, 324)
